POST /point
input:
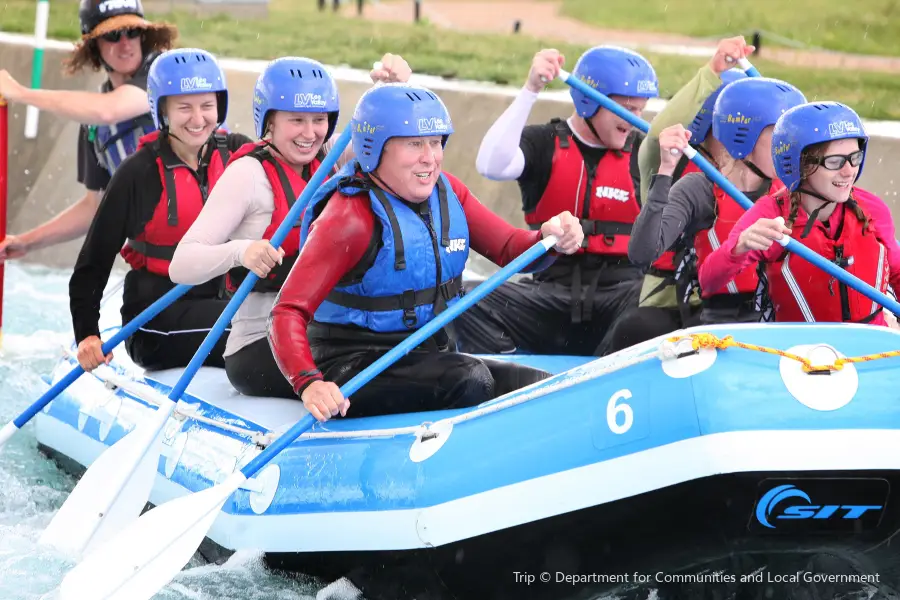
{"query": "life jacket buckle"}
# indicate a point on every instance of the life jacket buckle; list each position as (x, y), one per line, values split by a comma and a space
(408, 303)
(609, 239)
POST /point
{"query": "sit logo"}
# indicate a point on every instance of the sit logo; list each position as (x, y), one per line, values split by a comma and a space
(308, 100)
(836, 128)
(194, 84)
(604, 191)
(456, 245)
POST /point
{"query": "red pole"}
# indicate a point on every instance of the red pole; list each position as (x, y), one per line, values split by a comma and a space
(4, 180)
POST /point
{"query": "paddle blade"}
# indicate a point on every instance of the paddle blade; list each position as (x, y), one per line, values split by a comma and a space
(7, 432)
(112, 492)
(147, 554)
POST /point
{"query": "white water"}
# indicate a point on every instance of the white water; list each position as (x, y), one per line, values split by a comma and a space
(36, 324)
(32, 488)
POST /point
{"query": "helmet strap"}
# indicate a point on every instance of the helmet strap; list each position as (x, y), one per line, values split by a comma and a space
(372, 175)
(587, 121)
(756, 170)
(813, 216)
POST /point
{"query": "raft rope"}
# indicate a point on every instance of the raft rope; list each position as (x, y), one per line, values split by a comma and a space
(709, 340)
(149, 395)
(597, 368)
(662, 348)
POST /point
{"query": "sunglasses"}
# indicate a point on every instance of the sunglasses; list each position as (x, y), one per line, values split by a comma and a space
(114, 36)
(835, 162)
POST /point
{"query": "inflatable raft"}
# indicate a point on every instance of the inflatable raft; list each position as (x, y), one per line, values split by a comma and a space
(731, 440)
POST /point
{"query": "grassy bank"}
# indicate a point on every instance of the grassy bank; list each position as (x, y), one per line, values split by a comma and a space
(865, 27)
(295, 27)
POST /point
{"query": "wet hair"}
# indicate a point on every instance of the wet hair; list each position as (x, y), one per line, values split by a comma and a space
(809, 164)
(87, 54)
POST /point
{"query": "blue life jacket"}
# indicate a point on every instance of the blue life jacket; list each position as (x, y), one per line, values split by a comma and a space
(115, 143)
(413, 272)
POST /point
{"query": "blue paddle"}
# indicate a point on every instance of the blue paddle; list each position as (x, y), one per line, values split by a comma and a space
(116, 487)
(791, 245)
(748, 68)
(146, 555)
(124, 333)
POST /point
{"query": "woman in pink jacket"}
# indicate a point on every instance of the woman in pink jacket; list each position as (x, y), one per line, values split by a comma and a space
(819, 149)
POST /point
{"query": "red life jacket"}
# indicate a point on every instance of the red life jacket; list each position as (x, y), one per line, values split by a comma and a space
(287, 186)
(707, 241)
(800, 291)
(607, 207)
(180, 203)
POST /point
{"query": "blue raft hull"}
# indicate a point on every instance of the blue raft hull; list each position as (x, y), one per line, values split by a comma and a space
(658, 458)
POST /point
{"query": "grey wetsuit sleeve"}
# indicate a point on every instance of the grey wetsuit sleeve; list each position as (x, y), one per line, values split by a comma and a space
(670, 211)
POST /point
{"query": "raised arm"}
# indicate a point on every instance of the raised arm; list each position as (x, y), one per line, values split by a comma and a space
(499, 156)
(91, 108)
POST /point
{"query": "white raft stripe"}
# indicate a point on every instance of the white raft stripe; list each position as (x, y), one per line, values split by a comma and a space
(592, 485)
(884, 129)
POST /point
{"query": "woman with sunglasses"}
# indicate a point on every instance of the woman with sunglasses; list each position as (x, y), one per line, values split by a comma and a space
(150, 203)
(819, 151)
(117, 39)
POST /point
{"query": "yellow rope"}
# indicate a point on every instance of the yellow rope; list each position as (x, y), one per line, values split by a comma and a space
(709, 340)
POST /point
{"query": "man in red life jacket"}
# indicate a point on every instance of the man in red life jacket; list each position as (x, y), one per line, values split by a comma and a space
(586, 165)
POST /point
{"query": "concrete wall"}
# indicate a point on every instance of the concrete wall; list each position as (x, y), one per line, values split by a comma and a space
(43, 171)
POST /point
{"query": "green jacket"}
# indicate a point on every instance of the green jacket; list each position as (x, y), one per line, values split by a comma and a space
(682, 108)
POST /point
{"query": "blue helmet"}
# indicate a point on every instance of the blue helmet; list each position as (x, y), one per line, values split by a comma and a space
(613, 71)
(395, 110)
(185, 71)
(747, 106)
(808, 124)
(295, 84)
(699, 127)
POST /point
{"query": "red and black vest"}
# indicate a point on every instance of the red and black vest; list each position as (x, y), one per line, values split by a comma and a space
(707, 241)
(800, 291)
(602, 198)
(287, 185)
(183, 196)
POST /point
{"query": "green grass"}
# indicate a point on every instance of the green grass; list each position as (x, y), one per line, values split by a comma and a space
(857, 26)
(295, 27)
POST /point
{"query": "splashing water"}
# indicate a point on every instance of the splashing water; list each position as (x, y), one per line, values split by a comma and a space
(36, 325)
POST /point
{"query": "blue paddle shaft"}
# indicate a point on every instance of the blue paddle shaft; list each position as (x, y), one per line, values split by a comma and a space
(120, 336)
(403, 348)
(791, 245)
(748, 68)
(250, 280)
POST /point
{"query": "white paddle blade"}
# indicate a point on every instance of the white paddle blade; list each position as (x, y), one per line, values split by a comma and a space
(7, 432)
(112, 492)
(149, 553)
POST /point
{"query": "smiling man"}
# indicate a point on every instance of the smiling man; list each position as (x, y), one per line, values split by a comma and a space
(117, 39)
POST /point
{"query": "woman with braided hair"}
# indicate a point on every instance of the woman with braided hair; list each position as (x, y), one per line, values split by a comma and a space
(819, 150)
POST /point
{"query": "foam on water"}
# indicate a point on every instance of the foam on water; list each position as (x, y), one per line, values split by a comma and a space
(36, 325)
